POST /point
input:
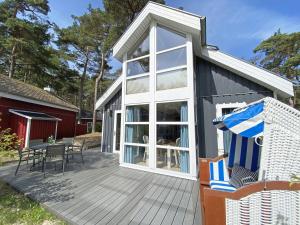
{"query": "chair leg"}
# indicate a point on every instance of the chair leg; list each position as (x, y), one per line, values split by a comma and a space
(63, 166)
(82, 158)
(18, 166)
(44, 167)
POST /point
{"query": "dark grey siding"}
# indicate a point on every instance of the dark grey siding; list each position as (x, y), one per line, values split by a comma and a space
(217, 85)
(108, 124)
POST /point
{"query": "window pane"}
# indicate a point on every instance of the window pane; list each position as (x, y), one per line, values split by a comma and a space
(136, 155)
(138, 67)
(171, 59)
(137, 85)
(137, 113)
(137, 134)
(172, 111)
(171, 79)
(141, 49)
(171, 159)
(173, 135)
(167, 38)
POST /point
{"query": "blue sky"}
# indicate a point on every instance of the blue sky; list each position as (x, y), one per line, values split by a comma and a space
(235, 26)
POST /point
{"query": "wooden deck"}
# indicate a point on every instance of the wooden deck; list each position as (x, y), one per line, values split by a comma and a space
(101, 192)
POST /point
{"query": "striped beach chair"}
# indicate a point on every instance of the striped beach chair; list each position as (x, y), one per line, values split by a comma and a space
(243, 152)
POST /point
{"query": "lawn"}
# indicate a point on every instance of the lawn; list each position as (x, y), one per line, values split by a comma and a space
(6, 157)
(15, 208)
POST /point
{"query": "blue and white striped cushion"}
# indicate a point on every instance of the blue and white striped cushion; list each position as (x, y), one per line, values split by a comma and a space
(219, 177)
(221, 185)
(218, 170)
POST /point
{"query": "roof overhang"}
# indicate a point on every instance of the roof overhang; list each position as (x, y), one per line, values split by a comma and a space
(171, 17)
(33, 115)
(110, 92)
(277, 84)
(37, 102)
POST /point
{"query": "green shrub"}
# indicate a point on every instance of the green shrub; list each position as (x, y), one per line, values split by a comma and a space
(9, 141)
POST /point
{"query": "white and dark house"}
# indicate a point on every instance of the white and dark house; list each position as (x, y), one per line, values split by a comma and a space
(158, 114)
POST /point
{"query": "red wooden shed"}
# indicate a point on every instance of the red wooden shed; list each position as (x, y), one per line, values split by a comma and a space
(33, 113)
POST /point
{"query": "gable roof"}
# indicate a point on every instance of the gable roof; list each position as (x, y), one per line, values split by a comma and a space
(249, 71)
(196, 25)
(167, 16)
(18, 90)
(111, 91)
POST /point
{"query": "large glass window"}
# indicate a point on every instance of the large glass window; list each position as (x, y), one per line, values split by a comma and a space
(138, 67)
(141, 49)
(137, 135)
(170, 59)
(137, 155)
(167, 38)
(172, 137)
(171, 159)
(137, 113)
(137, 85)
(171, 79)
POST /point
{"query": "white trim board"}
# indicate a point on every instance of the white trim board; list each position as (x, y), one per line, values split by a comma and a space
(37, 102)
(165, 15)
(250, 72)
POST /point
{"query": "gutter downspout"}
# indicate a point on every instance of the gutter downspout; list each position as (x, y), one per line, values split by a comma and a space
(203, 30)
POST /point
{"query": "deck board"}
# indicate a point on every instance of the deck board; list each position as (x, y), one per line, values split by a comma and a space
(101, 192)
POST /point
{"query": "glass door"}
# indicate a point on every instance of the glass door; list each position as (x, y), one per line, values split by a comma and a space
(117, 131)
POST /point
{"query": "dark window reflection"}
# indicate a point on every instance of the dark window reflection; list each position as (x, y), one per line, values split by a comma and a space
(171, 112)
(137, 113)
(138, 67)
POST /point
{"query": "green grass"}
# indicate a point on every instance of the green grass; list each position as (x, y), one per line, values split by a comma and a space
(6, 157)
(15, 208)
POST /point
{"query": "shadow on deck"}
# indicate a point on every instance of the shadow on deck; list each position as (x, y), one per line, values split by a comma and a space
(101, 192)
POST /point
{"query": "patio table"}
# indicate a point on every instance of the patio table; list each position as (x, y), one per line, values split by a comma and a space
(41, 149)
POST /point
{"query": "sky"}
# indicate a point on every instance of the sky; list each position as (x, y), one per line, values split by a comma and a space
(235, 26)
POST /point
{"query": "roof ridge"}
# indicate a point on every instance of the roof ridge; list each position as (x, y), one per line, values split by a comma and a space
(42, 95)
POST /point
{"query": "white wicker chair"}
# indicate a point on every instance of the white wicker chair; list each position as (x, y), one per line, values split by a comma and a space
(271, 200)
(280, 158)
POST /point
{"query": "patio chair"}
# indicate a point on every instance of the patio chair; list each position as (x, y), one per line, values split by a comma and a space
(77, 150)
(25, 155)
(54, 153)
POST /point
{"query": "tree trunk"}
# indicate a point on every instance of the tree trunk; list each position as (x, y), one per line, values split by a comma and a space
(96, 90)
(82, 80)
(12, 62)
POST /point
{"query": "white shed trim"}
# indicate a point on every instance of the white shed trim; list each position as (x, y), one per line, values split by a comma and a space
(251, 72)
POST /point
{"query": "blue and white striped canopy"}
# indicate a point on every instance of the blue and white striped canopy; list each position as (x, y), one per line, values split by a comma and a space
(247, 122)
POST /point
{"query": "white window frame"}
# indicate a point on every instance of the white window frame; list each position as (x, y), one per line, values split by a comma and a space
(168, 147)
(219, 108)
(136, 123)
(163, 96)
(137, 75)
